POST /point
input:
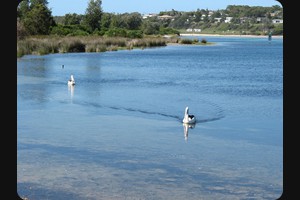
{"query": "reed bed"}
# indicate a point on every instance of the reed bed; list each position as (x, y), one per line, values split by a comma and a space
(41, 45)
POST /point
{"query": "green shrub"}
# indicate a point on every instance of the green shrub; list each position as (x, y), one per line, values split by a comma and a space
(203, 41)
(186, 41)
(73, 45)
(134, 34)
(195, 41)
(116, 32)
(60, 30)
(78, 33)
(168, 31)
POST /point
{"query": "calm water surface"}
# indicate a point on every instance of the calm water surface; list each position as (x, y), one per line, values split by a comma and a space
(117, 134)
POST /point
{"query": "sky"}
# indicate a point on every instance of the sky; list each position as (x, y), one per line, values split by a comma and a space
(62, 7)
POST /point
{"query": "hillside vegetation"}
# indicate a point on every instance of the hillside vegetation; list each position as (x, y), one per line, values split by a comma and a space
(39, 31)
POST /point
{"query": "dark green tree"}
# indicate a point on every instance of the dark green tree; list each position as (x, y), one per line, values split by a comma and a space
(38, 20)
(118, 21)
(105, 21)
(21, 31)
(35, 17)
(150, 28)
(133, 20)
(72, 19)
(36, 2)
(93, 14)
(23, 8)
(206, 18)
(198, 15)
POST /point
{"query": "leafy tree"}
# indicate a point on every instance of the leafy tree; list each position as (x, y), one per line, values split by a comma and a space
(118, 21)
(171, 13)
(206, 19)
(180, 22)
(23, 8)
(198, 15)
(164, 31)
(116, 32)
(278, 30)
(34, 17)
(216, 14)
(38, 20)
(36, 2)
(72, 19)
(105, 21)
(21, 32)
(134, 34)
(93, 15)
(150, 27)
(133, 20)
(76, 29)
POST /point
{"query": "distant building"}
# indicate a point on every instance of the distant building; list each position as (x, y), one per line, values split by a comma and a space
(193, 30)
(149, 15)
(277, 21)
(275, 13)
(244, 19)
(218, 19)
(258, 20)
(165, 17)
(228, 19)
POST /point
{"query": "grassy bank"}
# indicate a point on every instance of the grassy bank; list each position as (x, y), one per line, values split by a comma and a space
(41, 45)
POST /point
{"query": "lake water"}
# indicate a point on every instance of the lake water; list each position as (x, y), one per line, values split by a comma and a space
(118, 133)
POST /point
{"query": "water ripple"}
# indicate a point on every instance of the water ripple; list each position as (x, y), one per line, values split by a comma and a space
(217, 115)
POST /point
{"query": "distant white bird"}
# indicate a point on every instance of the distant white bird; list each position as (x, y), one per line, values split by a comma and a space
(71, 81)
(188, 119)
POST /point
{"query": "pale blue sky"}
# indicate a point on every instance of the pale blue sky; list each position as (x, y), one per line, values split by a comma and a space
(62, 7)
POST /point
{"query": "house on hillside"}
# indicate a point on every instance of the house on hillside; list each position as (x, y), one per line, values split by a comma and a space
(193, 30)
(145, 16)
(218, 19)
(228, 19)
(277, 21)
(163, 17)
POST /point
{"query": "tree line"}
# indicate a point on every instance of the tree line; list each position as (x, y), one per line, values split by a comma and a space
(35, 18)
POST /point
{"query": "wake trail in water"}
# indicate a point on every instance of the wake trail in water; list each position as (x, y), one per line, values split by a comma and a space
(218, 114)
(133, 110)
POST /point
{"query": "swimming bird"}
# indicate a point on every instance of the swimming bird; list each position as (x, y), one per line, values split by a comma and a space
(71, 81)
(188, 119)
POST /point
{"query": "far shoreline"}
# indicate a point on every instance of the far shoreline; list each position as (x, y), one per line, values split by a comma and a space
(219, 35)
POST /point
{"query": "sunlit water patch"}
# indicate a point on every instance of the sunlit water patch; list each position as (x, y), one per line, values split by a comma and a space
(118, 133)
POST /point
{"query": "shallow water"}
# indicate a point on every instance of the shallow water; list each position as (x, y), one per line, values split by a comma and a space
(117, 134)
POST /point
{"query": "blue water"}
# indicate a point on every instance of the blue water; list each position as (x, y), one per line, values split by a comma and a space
(118, 133)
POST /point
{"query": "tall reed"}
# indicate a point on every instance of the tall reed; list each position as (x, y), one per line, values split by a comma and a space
(41, 45)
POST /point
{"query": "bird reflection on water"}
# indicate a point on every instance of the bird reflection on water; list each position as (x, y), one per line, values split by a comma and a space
(186, 128)
(71, 90)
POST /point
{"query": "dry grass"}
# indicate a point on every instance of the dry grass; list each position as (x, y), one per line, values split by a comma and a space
(40, 45)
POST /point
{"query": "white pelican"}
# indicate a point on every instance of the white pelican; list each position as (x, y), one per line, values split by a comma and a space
(71, 81)
(188, 119)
